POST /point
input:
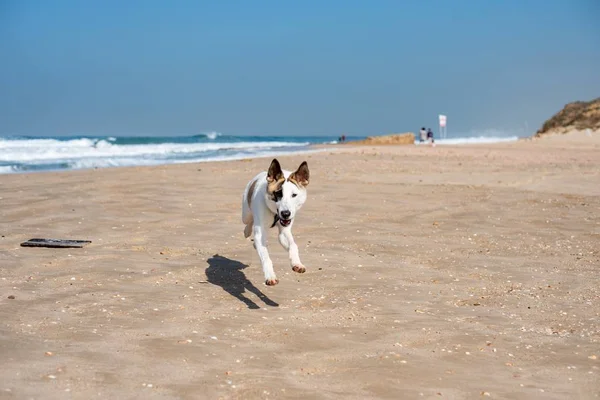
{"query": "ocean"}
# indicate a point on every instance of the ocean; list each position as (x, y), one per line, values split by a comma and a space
(20, 154)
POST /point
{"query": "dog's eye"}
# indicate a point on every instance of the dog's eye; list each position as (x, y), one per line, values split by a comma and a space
(294, 194)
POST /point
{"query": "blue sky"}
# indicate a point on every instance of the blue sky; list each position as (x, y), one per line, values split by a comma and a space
(292, 67)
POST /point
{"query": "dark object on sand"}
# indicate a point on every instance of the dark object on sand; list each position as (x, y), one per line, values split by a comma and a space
(55, 243)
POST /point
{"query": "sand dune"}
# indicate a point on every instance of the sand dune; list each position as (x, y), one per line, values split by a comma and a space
(394, 139)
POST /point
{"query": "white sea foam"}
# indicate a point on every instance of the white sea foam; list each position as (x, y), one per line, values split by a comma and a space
(44, 143)
(114, 162)
(44, 154)
(8, 169)
(44, 150)
(212, 135)
(128, 162)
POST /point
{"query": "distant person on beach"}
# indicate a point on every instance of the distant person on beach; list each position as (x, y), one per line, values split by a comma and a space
(423, 134)
(430, 136)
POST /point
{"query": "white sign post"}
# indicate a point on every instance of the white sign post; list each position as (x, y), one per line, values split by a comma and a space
(443, 132)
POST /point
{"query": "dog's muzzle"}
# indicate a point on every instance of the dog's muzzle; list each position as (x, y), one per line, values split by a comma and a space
(283, 218)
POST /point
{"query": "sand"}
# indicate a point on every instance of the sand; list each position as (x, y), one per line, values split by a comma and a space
(438, 273)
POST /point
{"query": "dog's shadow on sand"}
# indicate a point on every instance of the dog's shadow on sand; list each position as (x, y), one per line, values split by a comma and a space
(228, 274)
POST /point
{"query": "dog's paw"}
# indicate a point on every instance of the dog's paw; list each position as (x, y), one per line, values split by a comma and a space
(272, 282)
(299, 268)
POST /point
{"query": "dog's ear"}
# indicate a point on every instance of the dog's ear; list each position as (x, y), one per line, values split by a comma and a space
(275, 173)
(302, 175)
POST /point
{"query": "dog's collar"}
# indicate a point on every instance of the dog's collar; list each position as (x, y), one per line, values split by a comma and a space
(275, 220)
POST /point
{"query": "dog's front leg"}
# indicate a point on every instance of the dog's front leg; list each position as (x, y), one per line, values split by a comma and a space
(287, 241)
(260, 243)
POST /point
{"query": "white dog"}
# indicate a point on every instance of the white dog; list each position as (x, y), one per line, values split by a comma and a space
(273, 198)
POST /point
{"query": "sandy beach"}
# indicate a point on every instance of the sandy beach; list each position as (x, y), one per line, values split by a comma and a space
(454, 272)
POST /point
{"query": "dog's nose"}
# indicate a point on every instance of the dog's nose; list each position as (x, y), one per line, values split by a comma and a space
(285, 214)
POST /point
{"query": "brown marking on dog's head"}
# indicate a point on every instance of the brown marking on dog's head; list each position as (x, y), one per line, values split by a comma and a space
(301, 176)
(251, 193)
(275, 177)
